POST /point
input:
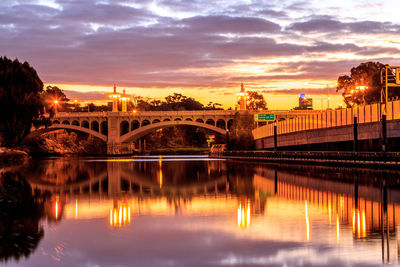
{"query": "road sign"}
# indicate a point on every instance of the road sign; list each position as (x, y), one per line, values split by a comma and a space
(264, 117)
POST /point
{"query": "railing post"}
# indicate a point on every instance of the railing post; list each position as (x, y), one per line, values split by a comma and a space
(275, 137)
(355, 132)
(384, 133)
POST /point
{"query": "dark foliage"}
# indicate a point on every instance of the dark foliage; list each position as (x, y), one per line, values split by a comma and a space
(20, 100)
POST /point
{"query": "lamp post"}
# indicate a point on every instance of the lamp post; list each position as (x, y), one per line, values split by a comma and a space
(328, 85)
(115, 96)
(124, 98)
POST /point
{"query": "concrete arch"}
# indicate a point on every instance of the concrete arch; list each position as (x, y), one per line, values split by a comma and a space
(135, 124)
(155, 121)
(95, 126)
(66, 122)
(85, 124)
(104, 128)
(221, 124)
(124, 127)
(145, 122)
(188, 119)
(55, 127)
(210, 122)
(75, 122)
(136, 134)
(200, 121)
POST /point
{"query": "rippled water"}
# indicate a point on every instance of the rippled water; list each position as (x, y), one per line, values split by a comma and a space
(195, 211)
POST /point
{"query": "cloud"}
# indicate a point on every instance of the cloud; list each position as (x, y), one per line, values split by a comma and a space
(329, 25)
(226, 24)
(93, 95)
(174, 43)
(296, 91)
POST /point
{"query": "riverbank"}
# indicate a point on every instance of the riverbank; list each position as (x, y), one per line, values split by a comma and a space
(375, 160)
(12, 156)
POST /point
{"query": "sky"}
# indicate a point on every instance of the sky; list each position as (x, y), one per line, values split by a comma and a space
(202, 49)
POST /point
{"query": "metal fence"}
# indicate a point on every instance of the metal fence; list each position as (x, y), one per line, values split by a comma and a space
(330, 118)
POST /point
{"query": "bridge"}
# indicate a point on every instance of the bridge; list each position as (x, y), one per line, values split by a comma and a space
(121, 129)
(360, 128)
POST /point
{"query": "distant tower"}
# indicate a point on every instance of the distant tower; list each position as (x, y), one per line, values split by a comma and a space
(242, 96)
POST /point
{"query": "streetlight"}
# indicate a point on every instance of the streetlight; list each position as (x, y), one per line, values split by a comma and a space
(327, 89)
(55, 105)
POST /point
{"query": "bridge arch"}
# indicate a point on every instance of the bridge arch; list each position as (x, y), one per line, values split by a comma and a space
(145, 122)
(75, 122)
(136, 134)
(104, 128)
(210, 122)
(135, 124)
(65, 122)
(124, 127)
(55, 127)
(95, 126)
(85, 124)
(221, 124)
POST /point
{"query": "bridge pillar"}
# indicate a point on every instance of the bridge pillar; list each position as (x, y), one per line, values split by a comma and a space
(113, 142)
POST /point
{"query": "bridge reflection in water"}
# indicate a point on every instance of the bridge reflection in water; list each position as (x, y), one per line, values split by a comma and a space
(344, 208)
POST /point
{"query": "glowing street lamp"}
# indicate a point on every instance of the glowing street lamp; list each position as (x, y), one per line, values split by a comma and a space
(115, 96)
(55, 105)
(124, 98)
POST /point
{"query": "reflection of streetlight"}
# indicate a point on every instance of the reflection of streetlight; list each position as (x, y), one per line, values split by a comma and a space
(327, 89)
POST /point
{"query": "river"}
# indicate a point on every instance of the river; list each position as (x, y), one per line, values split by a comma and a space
(196, 211)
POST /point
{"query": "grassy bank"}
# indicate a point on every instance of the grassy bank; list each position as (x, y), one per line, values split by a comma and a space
(180, 151)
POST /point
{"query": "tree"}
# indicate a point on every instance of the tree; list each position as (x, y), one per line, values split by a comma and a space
(213, 106)
(365, 74)
(240, 135)
(20, 100)
(255, 101)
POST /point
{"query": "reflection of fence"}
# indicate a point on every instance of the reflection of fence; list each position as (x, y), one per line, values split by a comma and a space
(330, 118)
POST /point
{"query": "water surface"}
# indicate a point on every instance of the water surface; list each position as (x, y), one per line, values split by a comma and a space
(195, 211)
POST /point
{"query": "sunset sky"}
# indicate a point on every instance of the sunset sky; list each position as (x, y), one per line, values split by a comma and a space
(202, 49)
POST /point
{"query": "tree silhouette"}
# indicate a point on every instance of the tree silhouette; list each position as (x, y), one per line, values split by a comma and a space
(365, 74)
(20, 100)
(20, 213)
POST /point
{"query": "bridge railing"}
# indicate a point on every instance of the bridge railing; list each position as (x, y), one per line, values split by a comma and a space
(330, 119)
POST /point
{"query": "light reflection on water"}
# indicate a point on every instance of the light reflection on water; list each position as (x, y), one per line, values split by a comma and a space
(180, 211)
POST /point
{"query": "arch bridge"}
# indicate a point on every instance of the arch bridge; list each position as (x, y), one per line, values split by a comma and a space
(121, 129)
